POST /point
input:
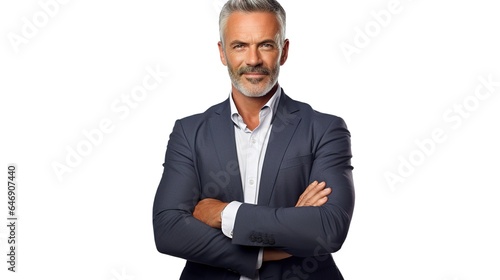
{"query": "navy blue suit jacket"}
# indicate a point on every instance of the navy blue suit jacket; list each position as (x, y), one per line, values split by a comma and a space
(201, 161)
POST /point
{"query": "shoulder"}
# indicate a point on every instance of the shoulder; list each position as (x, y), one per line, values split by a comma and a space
(311, 116)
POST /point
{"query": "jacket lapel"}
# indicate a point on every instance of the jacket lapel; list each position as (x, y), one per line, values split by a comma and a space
(222, 129)
(285, 123)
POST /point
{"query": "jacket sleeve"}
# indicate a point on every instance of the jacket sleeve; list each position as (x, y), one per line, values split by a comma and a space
(308, 231)
(176, 231)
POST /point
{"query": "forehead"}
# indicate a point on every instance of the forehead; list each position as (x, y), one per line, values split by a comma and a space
(254, 25)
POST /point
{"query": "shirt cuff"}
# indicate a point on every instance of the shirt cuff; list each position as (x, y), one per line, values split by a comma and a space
(260, 258)
(228, 217)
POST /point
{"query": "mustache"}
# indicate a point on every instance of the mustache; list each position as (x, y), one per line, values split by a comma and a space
(252, 69)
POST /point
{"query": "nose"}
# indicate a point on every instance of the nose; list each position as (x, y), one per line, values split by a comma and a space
(253, 57)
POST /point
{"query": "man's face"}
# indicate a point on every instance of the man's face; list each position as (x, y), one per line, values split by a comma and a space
(251, 53)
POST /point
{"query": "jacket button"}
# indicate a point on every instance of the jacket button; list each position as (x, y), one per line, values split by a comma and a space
(271, 241)
(259, 238)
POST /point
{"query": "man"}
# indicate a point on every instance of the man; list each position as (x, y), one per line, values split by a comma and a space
(258, 186)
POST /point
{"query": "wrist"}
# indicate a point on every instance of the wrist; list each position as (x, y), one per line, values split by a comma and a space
(229, 218)
(222, 207)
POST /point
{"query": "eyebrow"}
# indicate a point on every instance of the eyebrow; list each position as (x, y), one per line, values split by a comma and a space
(238, 42)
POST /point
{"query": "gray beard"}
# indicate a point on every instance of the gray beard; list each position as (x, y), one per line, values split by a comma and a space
(236, 83)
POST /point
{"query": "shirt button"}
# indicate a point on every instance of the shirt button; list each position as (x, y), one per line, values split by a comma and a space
(253, 141)
(251, 181)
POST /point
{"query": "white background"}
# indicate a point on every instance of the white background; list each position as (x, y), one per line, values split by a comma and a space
(442, 222)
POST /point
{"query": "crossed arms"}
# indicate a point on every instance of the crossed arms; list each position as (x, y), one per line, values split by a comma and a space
(209, 210)
(187, 227)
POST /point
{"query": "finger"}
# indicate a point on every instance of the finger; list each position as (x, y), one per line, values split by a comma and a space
(317, 199)
(313, 189)
(321, 198)
(306, 192)
(306, 199)
(310, 188)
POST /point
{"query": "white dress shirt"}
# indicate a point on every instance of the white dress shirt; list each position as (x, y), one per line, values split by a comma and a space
(251, 148)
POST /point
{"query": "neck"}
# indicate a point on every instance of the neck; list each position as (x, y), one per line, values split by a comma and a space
(249, 107)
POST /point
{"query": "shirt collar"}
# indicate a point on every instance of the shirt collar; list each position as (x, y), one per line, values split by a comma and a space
(272, 104)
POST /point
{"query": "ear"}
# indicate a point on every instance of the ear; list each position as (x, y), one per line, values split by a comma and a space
(221, 53)
(284, 52)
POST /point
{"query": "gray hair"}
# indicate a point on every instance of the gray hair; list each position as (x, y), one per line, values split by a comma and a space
(247, 6)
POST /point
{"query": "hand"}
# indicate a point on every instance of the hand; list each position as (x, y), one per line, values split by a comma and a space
(209, 210)
(315, 195)
(271, 254)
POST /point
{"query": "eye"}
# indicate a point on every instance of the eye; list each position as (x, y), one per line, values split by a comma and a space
(238, 46)
(267, 46)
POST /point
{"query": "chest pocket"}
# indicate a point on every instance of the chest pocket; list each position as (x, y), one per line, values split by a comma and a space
(296, 161)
